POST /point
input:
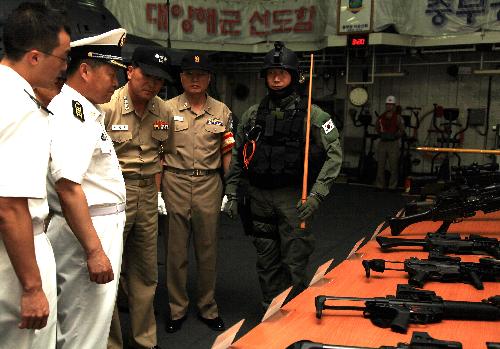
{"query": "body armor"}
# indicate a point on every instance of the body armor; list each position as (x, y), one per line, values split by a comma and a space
(279, 134)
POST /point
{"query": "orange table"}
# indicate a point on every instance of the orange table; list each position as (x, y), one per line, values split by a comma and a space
(296, 320)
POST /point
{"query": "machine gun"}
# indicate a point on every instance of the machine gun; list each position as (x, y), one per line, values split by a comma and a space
(452, 206)
(419, 340)
(442, 269)
(411, 305)
(443, 243)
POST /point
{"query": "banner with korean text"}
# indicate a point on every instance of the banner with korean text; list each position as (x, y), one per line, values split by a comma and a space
(307, 21)
(216, 21)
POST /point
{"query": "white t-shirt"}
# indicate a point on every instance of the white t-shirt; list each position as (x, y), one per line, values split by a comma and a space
(81, 151)
(24, 144)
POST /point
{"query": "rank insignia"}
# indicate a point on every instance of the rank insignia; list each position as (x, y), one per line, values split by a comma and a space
(160, 125)
(125, 103)
(78, 111)
(215, 121)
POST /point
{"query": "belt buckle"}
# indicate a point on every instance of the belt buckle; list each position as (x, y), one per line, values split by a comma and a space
(197, 173)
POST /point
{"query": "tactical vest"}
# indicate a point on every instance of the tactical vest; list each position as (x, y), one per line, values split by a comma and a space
(278, 160)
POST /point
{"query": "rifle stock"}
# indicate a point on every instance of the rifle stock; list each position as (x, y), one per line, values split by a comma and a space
(398, 224)
(419, 340)
(395, 242)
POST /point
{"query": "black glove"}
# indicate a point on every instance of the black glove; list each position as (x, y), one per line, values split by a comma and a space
(306, 209)
(231, 206)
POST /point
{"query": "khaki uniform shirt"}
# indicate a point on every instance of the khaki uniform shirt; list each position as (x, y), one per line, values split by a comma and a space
(138, 141)
(200, 139)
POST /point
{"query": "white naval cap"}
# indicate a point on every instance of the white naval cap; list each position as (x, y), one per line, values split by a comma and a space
(106, 46)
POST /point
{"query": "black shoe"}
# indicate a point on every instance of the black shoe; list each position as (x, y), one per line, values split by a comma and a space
(215, 324)
(174, 325)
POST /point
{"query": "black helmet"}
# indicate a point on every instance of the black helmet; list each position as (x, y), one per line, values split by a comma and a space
(282, 58)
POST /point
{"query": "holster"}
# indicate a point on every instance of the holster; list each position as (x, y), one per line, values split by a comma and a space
(248, 219)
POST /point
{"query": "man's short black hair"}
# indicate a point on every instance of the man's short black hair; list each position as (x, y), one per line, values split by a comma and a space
(75, 64)
(32, 26)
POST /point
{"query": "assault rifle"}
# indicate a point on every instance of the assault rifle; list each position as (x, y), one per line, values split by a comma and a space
(451, 207)
(443, 243)
(411, 305)
(419, 340)
(442, 269)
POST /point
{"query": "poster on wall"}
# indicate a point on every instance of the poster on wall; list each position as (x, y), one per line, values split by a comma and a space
(354, 16)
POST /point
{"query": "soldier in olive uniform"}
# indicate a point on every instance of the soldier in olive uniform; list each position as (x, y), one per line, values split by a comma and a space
(267, 165)
(192, 189)
(138, 122)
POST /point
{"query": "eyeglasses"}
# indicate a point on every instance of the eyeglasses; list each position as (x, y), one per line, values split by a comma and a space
(66, 59)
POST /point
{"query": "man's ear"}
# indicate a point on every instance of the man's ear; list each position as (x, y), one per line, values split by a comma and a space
(85, 71)
(130, 69)
(32, 57)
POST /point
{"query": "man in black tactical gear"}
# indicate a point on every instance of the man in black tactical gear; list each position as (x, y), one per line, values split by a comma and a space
(267, 166)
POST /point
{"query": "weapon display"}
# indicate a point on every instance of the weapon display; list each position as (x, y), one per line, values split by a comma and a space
(442, 269)
(443, 243)
(419, 340)
(411, 305)
(452, 206)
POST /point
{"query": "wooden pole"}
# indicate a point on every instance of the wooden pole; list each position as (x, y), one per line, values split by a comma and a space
(458, 150)
(308, 131)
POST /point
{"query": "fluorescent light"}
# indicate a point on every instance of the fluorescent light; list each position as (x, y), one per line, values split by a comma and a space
(389, 75)
(486, 71)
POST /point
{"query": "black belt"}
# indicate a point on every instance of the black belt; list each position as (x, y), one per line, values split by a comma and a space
(191, 172)
(144, 182)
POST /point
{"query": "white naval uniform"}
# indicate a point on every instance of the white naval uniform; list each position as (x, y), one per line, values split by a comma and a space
(24, 150)
(82, 152)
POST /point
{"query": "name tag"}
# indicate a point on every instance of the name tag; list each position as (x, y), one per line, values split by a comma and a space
(178, 118)
(119, 127)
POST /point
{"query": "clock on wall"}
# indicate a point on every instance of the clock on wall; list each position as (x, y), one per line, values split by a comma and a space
(358, 96)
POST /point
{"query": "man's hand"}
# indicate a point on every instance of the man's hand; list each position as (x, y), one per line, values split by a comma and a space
(99, 266)
(34, 309)
(307, 209)
(230, 207)
(162, 208)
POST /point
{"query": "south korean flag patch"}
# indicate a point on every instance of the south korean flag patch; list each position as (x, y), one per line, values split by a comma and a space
(328, 126)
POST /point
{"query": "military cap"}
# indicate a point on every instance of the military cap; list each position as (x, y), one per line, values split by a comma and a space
(106, 47)
(199, 61)
(153, 61)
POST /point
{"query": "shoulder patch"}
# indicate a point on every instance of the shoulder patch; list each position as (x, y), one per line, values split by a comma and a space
(78, 111)
(328, 126)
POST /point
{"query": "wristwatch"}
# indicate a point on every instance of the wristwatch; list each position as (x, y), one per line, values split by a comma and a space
(358, 96)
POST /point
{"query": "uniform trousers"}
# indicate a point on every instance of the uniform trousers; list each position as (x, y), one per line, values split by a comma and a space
(84, 308)
(387, 152)
(193, 206)
(283, 249)
(140, 269)
(10, 299)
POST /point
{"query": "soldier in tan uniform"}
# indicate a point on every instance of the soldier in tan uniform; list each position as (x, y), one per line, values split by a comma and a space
(192, 189)
(139, 125)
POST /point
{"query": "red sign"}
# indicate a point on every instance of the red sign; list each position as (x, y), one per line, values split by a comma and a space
(358, 41)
